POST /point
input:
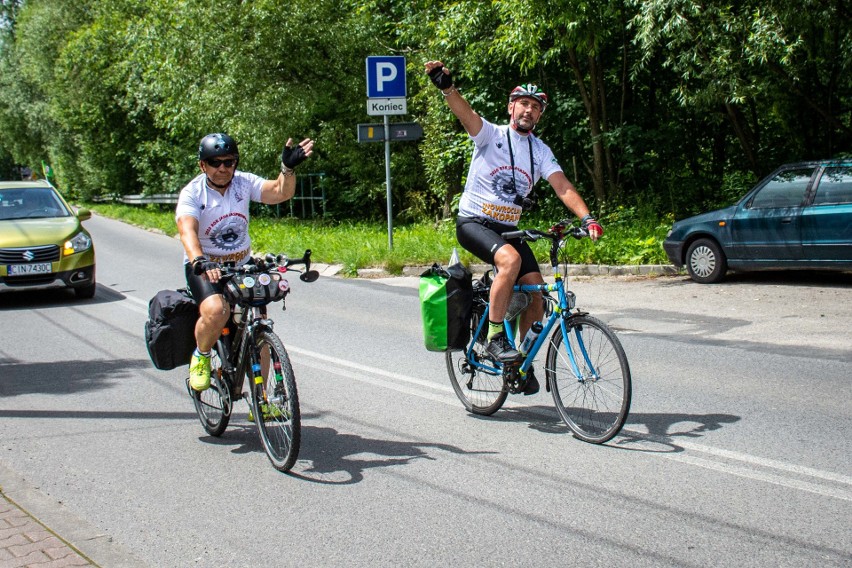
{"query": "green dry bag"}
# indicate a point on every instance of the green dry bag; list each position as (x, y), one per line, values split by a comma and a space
(446, 297)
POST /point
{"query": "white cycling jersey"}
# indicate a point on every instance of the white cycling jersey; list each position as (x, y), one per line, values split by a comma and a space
(222, 219)
(494, 189)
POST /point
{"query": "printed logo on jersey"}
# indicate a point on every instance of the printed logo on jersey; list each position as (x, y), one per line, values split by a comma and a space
(229, 232)
(507, 186)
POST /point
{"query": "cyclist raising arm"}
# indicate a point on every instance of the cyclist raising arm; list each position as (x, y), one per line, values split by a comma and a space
(212, 216)
(507, 162)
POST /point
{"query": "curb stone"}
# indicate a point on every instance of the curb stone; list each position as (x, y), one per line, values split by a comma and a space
(547, 270)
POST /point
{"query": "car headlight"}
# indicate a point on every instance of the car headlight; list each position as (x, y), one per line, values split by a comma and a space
(78, 243)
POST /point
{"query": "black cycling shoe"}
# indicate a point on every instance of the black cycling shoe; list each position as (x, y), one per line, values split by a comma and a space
(531, 386)
(500, 349)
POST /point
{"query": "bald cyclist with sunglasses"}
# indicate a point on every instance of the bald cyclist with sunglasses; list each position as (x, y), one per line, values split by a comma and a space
(212, 216)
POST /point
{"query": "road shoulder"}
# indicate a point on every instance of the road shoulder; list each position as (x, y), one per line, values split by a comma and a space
(86, 541)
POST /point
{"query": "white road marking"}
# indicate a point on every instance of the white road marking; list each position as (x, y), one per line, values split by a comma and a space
(793, 476)
(788, 475)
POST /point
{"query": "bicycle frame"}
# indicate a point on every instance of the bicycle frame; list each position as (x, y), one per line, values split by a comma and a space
(244, 356)
(560, 310)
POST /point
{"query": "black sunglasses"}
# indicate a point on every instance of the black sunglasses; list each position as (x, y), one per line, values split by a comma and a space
(214, 163)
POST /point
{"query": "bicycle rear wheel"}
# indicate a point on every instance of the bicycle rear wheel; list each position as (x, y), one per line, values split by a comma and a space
(213, 405)
(480, 392)
(275, 404)
(589, 379)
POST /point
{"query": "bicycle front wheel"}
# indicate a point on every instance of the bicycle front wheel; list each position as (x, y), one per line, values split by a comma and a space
(589, 379)
(480, 392)
(213, 405)
(275, 404)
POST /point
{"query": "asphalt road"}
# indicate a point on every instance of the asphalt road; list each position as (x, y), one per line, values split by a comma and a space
(737, 450)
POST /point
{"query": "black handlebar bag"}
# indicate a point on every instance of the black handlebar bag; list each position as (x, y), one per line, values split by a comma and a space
(170, 329)
(446, 299)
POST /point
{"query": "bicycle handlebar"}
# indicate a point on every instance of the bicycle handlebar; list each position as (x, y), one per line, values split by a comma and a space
(555, 234)
(279, 262)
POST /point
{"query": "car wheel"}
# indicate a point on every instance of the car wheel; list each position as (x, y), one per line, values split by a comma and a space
(705, 261)
(86, 292)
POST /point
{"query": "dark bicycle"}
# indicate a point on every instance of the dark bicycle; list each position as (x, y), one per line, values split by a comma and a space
(585, 367)
(249, 348)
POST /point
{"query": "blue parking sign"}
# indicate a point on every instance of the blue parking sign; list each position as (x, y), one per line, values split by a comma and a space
(386, 77)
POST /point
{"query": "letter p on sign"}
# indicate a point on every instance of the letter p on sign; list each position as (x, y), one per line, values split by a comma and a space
(386, 77)
(387, 72)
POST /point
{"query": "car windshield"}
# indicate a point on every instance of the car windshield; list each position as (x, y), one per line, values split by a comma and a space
(30, 203)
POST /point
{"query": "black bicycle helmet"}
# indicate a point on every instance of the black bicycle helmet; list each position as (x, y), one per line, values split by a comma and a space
(531, 91)
(217, 144)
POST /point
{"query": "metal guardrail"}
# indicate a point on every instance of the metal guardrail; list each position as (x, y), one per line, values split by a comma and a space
(146, 199)
(310, 191)
(309, 200)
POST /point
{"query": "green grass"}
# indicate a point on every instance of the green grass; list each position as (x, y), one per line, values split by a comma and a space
(627, 240)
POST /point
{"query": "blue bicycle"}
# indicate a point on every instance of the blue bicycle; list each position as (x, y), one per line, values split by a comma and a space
(586, 369)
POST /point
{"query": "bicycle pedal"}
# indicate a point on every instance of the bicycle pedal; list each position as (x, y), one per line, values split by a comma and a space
(511, 375)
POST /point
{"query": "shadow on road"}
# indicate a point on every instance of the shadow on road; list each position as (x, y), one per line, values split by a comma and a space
(330, 457)
(65, 377)
(663, 432)
(654, 432)
(826, 279)
(54, 298)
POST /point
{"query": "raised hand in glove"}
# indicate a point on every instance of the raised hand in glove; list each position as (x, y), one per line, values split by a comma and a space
(439, 75)
(591, 226)
(202, 264)
(292, 157)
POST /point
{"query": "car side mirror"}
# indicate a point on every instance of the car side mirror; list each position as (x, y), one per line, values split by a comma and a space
(84, 214)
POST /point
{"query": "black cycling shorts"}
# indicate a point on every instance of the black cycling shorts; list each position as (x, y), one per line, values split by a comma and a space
(482, 238)
(200, 286)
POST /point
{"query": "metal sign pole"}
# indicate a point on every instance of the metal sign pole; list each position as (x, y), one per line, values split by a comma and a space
(388, 178)
(386, 90)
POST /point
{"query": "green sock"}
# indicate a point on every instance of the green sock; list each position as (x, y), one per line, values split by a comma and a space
(493, 329)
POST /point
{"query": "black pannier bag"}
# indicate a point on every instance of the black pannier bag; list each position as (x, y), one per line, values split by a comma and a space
(170, 329)
(446, 298)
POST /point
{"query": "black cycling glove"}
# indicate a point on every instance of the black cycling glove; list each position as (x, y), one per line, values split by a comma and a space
(292, 157)
(201, 265)
(440, 79)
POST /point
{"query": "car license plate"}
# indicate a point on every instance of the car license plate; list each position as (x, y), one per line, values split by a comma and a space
(21, 269)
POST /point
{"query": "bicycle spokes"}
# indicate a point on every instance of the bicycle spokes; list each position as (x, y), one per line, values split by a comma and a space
(590, 379)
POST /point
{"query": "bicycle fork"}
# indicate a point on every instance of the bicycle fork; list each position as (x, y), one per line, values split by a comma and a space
(582, 377)
(278, 396)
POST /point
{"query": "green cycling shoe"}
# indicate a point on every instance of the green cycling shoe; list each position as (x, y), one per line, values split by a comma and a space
(199, 372)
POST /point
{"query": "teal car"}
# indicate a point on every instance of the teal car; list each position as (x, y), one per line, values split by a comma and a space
(799, 217)
(42, 240)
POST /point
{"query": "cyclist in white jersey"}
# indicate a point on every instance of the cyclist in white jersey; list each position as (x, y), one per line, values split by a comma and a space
(212, 216)
(507, 162)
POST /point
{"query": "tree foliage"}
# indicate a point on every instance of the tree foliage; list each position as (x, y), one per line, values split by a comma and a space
(660, 105)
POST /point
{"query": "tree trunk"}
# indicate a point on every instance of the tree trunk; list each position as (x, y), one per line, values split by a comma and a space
(600, 92)
(745, 136)
(590, 101)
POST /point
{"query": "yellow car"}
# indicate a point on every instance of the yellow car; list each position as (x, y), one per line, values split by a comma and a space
(42, 241)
